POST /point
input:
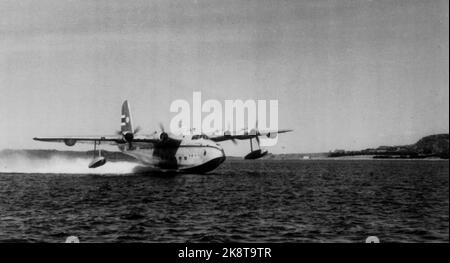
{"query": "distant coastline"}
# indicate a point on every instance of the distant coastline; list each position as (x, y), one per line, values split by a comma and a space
(432, 146)
(429, 147)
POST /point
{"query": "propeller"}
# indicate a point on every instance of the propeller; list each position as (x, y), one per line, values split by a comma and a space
(228, 133)
(255, 131)
(129, 136)
(163, 136)
(136, 131)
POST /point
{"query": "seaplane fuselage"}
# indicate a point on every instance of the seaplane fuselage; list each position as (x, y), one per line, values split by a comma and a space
(194, 153)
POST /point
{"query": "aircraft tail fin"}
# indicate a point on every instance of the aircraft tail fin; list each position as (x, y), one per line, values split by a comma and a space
(126, 124)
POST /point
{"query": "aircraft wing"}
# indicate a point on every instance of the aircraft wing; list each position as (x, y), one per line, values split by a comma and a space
(71, 140)
(246, 135)
(113, 140)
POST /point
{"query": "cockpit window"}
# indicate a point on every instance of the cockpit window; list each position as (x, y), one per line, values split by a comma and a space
(199, 136)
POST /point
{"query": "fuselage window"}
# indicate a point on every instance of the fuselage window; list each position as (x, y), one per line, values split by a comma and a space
(185, 157)
(204, 152)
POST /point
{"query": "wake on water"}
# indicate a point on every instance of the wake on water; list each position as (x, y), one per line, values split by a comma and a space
(21, 163)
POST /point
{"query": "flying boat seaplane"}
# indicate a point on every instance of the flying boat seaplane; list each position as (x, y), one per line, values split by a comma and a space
(194, 153)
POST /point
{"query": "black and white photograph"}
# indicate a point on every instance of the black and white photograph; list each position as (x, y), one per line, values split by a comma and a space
(224, 122)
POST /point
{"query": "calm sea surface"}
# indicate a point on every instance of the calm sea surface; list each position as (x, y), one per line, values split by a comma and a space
(242, 201)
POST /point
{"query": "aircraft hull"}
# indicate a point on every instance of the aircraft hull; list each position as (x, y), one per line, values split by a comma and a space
(185, 158)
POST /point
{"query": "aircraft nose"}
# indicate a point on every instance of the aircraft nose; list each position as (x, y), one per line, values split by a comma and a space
(222, 156)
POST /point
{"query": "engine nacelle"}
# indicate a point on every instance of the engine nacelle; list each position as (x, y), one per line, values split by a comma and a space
(128, 137)
(272, 135)
(70, 142)
(163, 136)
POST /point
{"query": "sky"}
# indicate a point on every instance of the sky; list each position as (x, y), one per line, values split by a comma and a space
(347, 74)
